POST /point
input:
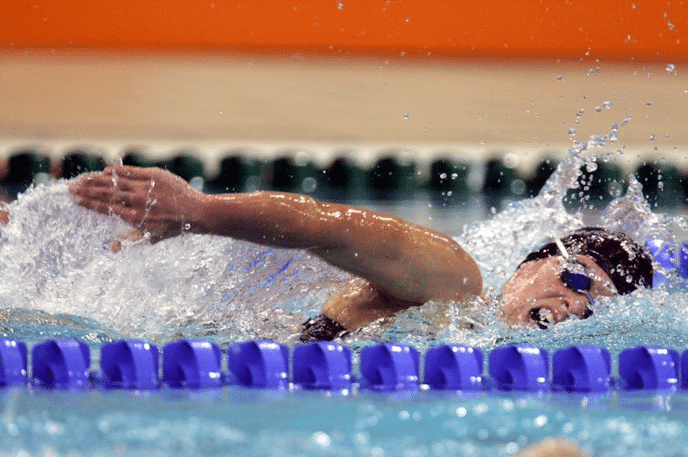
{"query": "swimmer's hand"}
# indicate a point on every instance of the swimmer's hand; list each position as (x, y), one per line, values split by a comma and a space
(156, 202)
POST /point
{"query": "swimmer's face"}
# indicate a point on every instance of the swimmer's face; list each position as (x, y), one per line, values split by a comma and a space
(537, 296)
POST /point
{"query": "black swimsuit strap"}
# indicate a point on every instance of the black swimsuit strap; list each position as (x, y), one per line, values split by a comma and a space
(321, 328)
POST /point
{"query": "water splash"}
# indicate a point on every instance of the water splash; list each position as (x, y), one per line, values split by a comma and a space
(59, 275)
(657, 316)
(56, 258)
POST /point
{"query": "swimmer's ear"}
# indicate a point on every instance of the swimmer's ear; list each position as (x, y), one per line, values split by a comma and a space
(133, 235)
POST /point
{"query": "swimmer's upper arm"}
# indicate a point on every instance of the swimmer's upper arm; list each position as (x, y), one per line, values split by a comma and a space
(407, 261)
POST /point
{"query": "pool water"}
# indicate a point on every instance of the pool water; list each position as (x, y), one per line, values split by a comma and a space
(236, 421)
(59, 279)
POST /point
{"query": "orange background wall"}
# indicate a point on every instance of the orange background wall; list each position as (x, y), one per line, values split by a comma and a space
(622, 30)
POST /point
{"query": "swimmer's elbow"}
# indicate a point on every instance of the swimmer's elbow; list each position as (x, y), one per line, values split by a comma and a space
(469, 276)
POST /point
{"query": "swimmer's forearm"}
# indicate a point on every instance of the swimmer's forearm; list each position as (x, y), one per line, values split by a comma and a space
(269, 218)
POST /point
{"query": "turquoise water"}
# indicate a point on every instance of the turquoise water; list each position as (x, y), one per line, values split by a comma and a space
(236, 421)
(58, 278)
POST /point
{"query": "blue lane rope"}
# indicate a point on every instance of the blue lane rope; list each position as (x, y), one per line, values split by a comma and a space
(64, 364)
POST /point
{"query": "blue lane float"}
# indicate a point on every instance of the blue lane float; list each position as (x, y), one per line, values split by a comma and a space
(259, 364)
(454, 367)
(13, 363)
(390, 367)
(129, 365)
(191, 364)
(584, 369)
(520, 368)
(322, 366)
(62, 364)
(649, 368)
(672, 258)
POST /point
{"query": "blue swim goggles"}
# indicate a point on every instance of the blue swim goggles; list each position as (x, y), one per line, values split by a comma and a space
(581, 284)
(578, 282)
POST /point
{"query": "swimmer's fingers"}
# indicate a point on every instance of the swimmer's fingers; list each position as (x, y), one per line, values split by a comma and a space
(129, 214)
(132, 173)
(134, 235)
(102, 182)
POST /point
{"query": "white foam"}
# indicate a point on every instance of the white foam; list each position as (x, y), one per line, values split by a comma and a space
(55, 256)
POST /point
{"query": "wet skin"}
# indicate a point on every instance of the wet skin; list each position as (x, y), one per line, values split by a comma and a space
(536, 294)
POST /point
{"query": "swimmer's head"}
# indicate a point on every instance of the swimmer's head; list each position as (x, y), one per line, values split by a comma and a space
(539, 292)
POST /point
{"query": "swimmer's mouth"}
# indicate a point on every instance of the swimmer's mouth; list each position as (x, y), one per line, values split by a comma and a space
(542, 317)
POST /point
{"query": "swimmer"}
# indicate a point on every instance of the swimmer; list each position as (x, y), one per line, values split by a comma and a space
(397, 264)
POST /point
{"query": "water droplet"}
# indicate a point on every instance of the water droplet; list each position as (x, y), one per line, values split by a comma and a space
(340, 5)
(187, 226)
(560, 77)
(197, 182)
(407, 20)
(670, 67)
(615, 189)
(580, 112)
(518, 187)
(608, 105)
(406, 116)
(653, 137)
(591, 167)
(308, 185)
(649, 103)
(598, 109)
(671, 25)
(572, 131)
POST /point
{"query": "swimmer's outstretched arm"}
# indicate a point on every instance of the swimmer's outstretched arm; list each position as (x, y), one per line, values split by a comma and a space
(400, 259)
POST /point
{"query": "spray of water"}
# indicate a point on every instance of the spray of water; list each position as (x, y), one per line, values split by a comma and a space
(57, 269)
(657, 316)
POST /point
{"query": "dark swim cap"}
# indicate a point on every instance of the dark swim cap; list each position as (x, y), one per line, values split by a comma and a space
(626, 262)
